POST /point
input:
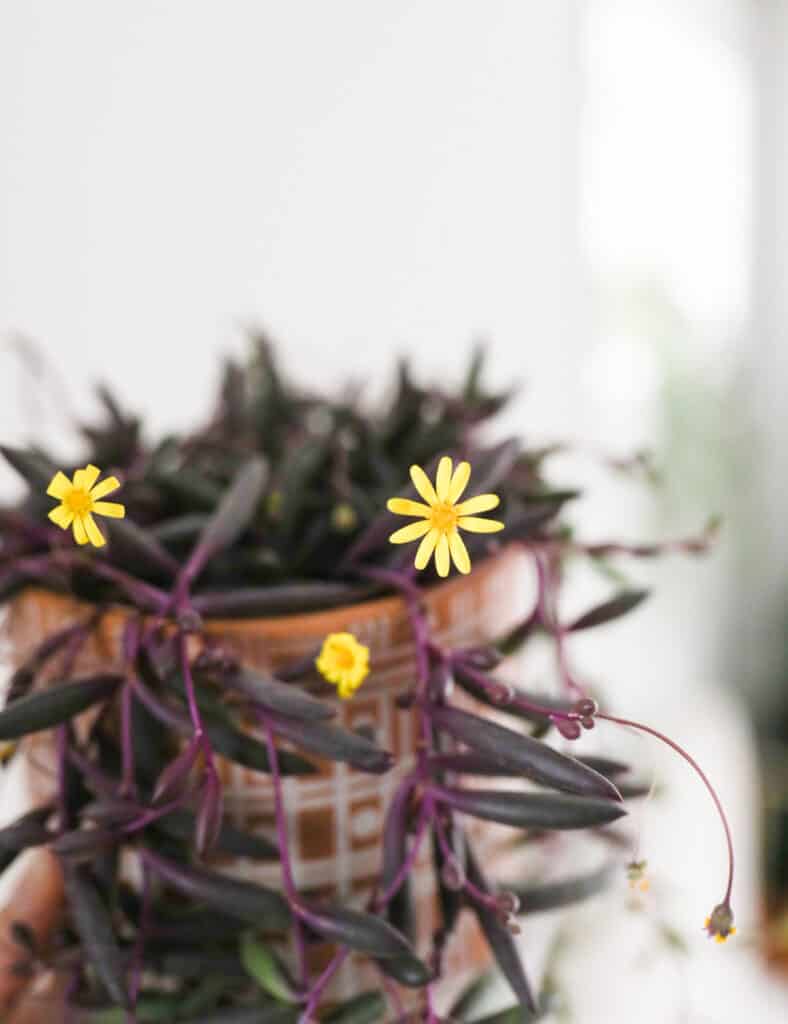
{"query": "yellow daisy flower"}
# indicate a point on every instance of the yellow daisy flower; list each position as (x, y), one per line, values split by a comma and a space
(80, 499)
(442, 518)
(344, 662)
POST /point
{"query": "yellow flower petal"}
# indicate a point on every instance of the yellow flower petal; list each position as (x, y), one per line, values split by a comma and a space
(426, 548)
(95, 536)
(423, 486)
(476, 525)
(80, 533)
(459, 481)
(406, 507)
(442, 563)
(410, 532)
(104, 488)
(481, 503)
(443, 478)
(459, 552)
(61, 516)
(90, 475)
(59, 486)
(113, 509)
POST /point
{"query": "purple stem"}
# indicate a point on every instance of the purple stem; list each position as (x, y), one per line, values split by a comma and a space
(313, 999)
(701, 774)
(496, 690)
(284, 849)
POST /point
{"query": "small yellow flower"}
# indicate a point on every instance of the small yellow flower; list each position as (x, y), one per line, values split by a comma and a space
(80, 499)
(344, 662)
(720, 924)
(442, 518)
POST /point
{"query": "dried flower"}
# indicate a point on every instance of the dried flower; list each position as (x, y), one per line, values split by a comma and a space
(720, 924)
(442, 517)
(344, 662)
(80, 499)
(636, 873)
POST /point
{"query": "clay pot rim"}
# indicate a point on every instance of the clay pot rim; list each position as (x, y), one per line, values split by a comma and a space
(320, 621)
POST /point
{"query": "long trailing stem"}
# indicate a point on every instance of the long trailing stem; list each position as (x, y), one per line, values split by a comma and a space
(284, 849)
(640, 727)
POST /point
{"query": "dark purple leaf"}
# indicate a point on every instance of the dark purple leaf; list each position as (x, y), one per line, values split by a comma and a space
(59, 703)
(175, 780)
(279, 599)
(97, 934)
(181, 824)
(285, 698)
(209, 816)
(605, 765)
(138, 549)
(84, 845)
(552, 895)
(407, 970)
(365, 932)
(231, 518)
(247, 901)
(244, 749)
(334, 743)
(533, 810)
(515, 751)
(500, 939)
(395, 831)
(609, 610)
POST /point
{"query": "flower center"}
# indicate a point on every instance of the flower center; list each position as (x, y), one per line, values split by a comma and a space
(344, 657)
(443, 517)
(78, 502)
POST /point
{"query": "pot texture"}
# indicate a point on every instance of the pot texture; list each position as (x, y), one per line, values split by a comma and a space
(335, 817)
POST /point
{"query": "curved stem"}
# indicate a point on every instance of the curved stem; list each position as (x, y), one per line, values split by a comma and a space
(701, 774)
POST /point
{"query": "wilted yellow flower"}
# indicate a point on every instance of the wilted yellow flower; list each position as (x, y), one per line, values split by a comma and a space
(442, 518)
(80, 499)
(344, 662)
(720, 924)
(636, 873)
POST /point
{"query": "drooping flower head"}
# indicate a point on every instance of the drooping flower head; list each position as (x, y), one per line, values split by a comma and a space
(720, 924)
(80, 499)
(344, 662)
(443, 516)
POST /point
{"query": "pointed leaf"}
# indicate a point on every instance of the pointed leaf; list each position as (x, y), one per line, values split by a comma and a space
(533, 810)
(59, 703)
(209, 816)
(175, 779)
(609, 610)
(273, 695)
(28, 830)
(232, 516)
(552, 895)
(357, 929)
(246, 901)
(181, 824)
(407, 970)
(500, 939)
(244, 749)
(513, 750)
(36, 469)
(278, 599)
(335, 744)
(96, 932)
(138, 549)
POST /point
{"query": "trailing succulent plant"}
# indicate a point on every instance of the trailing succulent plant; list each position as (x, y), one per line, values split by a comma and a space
(278, 505)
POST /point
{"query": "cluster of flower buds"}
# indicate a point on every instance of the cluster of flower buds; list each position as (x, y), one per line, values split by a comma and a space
(580, 717)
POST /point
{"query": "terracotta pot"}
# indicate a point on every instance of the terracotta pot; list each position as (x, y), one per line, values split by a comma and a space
(335, 818)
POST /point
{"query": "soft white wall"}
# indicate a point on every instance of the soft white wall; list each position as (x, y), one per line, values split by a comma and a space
(361, 176)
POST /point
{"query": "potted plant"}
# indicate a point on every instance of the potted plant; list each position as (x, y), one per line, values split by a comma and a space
(279, 770)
